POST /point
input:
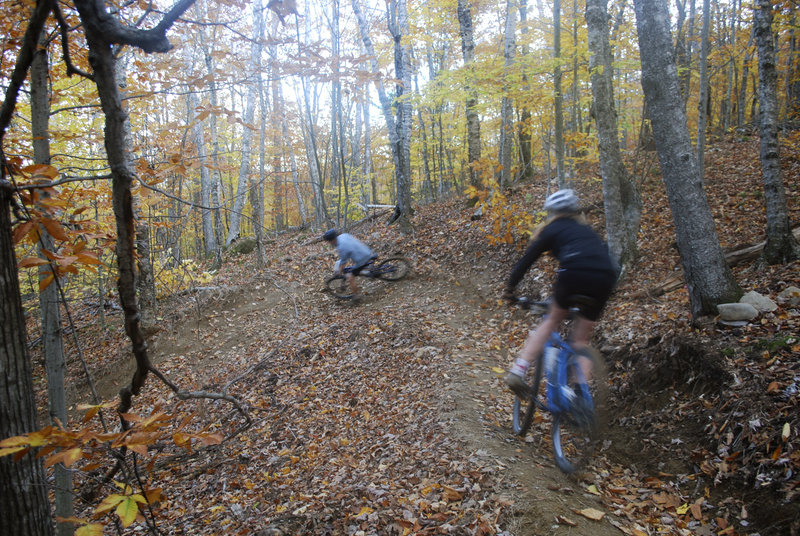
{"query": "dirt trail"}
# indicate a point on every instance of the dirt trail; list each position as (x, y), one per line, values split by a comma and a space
(440, 321)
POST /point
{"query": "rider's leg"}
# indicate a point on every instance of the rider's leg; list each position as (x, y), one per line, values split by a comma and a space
(533, 347)
(580, 338)
(537, 338)
(351, 280)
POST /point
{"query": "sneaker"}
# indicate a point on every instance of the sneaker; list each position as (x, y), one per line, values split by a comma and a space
(517, 384)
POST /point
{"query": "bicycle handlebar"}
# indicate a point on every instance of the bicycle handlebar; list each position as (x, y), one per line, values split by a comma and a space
(527, 304)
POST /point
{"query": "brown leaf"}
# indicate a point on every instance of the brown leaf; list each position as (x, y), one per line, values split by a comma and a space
(591, 513)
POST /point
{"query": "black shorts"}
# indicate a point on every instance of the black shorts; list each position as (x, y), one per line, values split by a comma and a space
(591, 283)
(355, 270)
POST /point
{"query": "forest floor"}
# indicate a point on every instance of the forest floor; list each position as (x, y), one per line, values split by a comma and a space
(390, 416)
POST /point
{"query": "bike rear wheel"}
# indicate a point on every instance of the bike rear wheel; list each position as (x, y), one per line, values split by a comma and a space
(525, 407)
(576, 431)
(392, 269)
(338, 286)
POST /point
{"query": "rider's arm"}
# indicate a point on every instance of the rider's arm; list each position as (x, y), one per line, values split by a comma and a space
(533, 252)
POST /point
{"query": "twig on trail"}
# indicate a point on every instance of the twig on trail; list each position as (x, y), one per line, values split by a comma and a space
(185, 395)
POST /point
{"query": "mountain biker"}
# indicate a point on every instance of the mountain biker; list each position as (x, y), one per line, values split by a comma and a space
(585, 268)
(352, 249)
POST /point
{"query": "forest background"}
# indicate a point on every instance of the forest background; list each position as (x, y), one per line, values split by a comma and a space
(130, 157)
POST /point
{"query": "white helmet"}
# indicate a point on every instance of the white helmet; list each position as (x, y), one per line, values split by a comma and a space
(562, 201)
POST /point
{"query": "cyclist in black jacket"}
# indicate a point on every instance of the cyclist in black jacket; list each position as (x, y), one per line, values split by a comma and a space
(585, 268)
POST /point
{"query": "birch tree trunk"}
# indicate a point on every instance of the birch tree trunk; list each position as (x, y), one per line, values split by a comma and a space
(386, 105)
(621, 200)
(558, 98)
(243, 183)
(506, 144)
(524, 128)
(708, 276)
(310, 139)
(209, 236)
(336, 106)
(398, 26)
(287, 142)
(256, 181)
(473, 120)
(216, 179)
(781, 245)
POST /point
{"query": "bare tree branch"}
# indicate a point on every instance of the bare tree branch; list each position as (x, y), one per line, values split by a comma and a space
(98, 20)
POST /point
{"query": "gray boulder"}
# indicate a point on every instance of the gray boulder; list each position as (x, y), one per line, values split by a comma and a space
(759, 301)
(735, 312)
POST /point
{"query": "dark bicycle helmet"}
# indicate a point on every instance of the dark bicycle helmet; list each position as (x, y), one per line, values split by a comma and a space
(562, 201)
(330, 235)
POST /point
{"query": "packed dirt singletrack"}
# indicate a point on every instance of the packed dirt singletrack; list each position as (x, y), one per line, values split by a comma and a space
(389, 416)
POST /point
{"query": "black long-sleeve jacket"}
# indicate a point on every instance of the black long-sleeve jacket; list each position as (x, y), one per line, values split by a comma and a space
(575, 245)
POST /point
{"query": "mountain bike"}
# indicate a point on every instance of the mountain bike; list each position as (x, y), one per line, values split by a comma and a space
(391, 269)
(576, 403)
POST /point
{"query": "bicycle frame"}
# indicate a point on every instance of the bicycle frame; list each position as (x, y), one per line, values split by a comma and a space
(566, 363)
(568, 395)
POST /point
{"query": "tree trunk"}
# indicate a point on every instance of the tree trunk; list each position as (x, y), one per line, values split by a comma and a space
(216, 178)
(244, 181)
(621, 200)
(210, 244)
(49, 308)
(25, 509)
(473, 120)
(386, 105)
(708, 276)
(558, 98)
(145, 282)
(257, 180)
(506, 144)
(781, 246)
(741, 104)
(287, 142)
(793, 73)
(310, 139)
(702, 105)
(524, 128)
(398, 27)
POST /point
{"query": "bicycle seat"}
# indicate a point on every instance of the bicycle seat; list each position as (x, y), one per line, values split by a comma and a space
(579, 302)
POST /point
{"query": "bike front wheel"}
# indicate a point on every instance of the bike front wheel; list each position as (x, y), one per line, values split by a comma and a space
(392, 269)
(338, 286)
(525, 407)
(576, 430)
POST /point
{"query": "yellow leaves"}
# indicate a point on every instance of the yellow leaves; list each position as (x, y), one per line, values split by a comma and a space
(40, 172)
(786, 432)
(125, 506)
(68, 457)
(365, 510)
(92, 529)
(92, 410)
